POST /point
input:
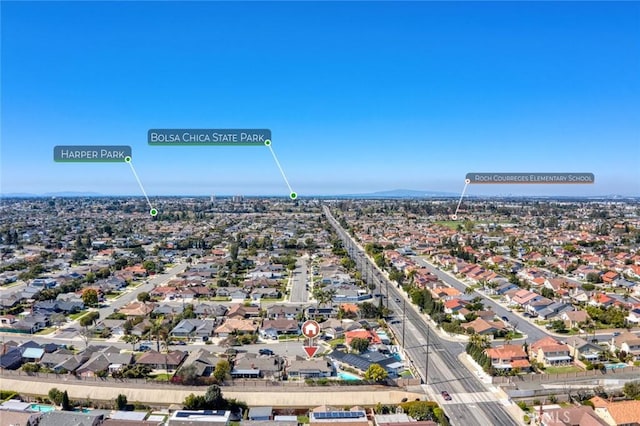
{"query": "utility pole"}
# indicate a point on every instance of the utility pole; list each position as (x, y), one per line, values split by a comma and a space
(426, 367)
(404, 318)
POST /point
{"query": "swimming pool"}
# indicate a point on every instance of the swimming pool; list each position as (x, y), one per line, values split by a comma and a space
(348, 376)
(615, 366)
(42, 408)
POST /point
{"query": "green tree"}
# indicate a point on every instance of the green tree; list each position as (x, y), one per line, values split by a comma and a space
(222, 370)
(194, 402)
(149, 266)
(66, 404)
(376, 373)
(594, 277)
(31, 367)
(121, 402)
(90, 297)
(132, 339)
(213, 397)
(632, 390)
(88, 319)
(55, 396)
(143, 297)
(359, 344)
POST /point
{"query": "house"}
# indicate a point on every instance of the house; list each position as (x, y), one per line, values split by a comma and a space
(601, 299)
(361, 333)
(521, 297)
(315, 367)
(623, 413)
(284, 311)
(573, 319)
(11, 359)
(362, 362)
(356, 416)
(508, 357)
(203, 417)
(570, 416)
(627, 342)
(21, 417)
(202, 329)
(116, 327)
(554, 309)
(265, 293)
(137, 309)
(267, 366)
(609, 277)
(320, 311)
(203, 361)
(31, 324)
(260, 413)
(239, 310)
(160, 361)
(452, 306)
(235, 325)
(550, 352)
(107, 359)
(483, 327)
(272, 328)
(216, 311)
(583, 350)
(634, 316)
(334, 327)
(72, 418)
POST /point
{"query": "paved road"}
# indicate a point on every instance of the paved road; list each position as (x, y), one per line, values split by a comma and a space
(147, 286)
(471, 403)
(533, 332)
(299, 292)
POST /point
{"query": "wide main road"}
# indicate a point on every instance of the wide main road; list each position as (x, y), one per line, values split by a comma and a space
(471, 403)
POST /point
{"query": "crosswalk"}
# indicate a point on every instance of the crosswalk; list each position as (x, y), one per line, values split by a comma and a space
(465, 397)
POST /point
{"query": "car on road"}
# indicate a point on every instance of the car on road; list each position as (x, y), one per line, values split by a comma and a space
(398, 300)
(505, 319)
(265, 351)
(144, 348)
(445, 395)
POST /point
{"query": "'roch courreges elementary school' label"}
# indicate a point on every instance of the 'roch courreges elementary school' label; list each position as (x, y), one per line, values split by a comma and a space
(517, 178)
(92, 153)
(209, 137)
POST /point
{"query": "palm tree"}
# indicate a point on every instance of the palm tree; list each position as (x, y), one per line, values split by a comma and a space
(156, 329)
(131, 338)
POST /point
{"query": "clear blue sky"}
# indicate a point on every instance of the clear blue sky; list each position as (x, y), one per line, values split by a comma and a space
(359, 96)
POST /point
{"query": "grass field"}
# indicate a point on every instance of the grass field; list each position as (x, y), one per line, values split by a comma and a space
(451, 224)
(562, 369)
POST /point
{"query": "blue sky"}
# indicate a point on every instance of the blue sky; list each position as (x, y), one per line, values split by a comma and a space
(359, 96)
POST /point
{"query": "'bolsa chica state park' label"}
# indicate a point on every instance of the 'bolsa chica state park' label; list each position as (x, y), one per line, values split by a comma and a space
(209, 137)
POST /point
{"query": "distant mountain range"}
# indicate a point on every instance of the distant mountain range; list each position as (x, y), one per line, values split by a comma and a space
(52, 194)
(391, 194)
(403, 193)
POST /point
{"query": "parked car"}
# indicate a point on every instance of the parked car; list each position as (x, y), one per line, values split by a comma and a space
(265, 352)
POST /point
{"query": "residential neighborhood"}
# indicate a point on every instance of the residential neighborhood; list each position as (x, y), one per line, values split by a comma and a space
(218, 294)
